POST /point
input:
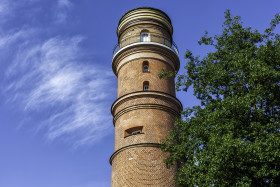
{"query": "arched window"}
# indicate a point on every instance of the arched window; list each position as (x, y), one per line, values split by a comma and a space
(146, 86)
(145, 66)
(145, 36)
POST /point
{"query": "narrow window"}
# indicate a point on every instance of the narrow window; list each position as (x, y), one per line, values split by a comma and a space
(145, 66)
(145, 37)
(146, 86)
(133, 131)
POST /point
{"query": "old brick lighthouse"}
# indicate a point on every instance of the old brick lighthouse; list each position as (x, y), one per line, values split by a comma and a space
(146, 105)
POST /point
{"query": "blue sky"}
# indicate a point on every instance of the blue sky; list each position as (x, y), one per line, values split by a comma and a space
(57, 86)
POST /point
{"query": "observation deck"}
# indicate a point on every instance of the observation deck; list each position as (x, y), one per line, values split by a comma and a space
(154, 40)
(145, 32)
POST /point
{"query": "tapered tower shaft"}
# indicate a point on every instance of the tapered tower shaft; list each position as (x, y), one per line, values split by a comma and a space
(146, 106)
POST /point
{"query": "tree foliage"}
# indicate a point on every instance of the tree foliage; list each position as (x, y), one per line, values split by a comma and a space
(233, 137)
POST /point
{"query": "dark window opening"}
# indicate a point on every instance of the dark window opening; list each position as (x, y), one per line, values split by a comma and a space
(145, 36)
(133, 131)
(136, 132)
(145, 66)
(146, 86)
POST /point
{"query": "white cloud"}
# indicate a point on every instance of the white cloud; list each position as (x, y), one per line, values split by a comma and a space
(9, 38)
(63, 7)
(51, 78)
(59, 9)
(75, 95)
(9, 8)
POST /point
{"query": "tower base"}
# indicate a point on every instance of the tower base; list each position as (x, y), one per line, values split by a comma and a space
(141, 166)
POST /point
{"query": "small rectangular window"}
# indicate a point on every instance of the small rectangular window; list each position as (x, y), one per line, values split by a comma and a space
(133, 131)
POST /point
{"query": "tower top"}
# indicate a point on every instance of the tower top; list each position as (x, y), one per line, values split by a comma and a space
(144, 14)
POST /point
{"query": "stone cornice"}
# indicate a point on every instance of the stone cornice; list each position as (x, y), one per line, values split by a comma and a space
(141, 14)
(145, 106)
(140, 94)
(148, 47)
(132, 146)
(145, 94)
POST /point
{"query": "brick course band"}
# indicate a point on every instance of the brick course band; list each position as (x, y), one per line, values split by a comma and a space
(145, 106)
(138, 49)
(138, 15)
(139, 94)
(165, 105)
(132, 146)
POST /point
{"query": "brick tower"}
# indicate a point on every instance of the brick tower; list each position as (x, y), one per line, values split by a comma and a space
(146, 105)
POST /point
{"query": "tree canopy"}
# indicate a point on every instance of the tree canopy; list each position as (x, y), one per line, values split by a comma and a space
(233, 137)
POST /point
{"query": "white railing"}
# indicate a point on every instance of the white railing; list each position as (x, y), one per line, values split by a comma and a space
(153, 39)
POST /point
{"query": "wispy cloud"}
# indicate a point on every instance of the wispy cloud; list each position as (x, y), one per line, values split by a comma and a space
(9, 38)
(55, 78)
(9, 8)
(63, 7)
(6, 10)
(52, 77)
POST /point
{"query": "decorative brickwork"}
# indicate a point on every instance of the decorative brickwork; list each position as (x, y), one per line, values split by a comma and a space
(146, 106)
(141, 100)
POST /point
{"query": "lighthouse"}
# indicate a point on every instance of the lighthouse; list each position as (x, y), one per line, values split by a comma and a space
(146, 105)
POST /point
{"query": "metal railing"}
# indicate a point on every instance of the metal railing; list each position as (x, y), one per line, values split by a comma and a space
(153, 39)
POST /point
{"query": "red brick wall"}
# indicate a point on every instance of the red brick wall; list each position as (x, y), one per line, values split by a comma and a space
(131, 77)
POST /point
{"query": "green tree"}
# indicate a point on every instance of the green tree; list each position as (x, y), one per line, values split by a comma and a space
(233, 137)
